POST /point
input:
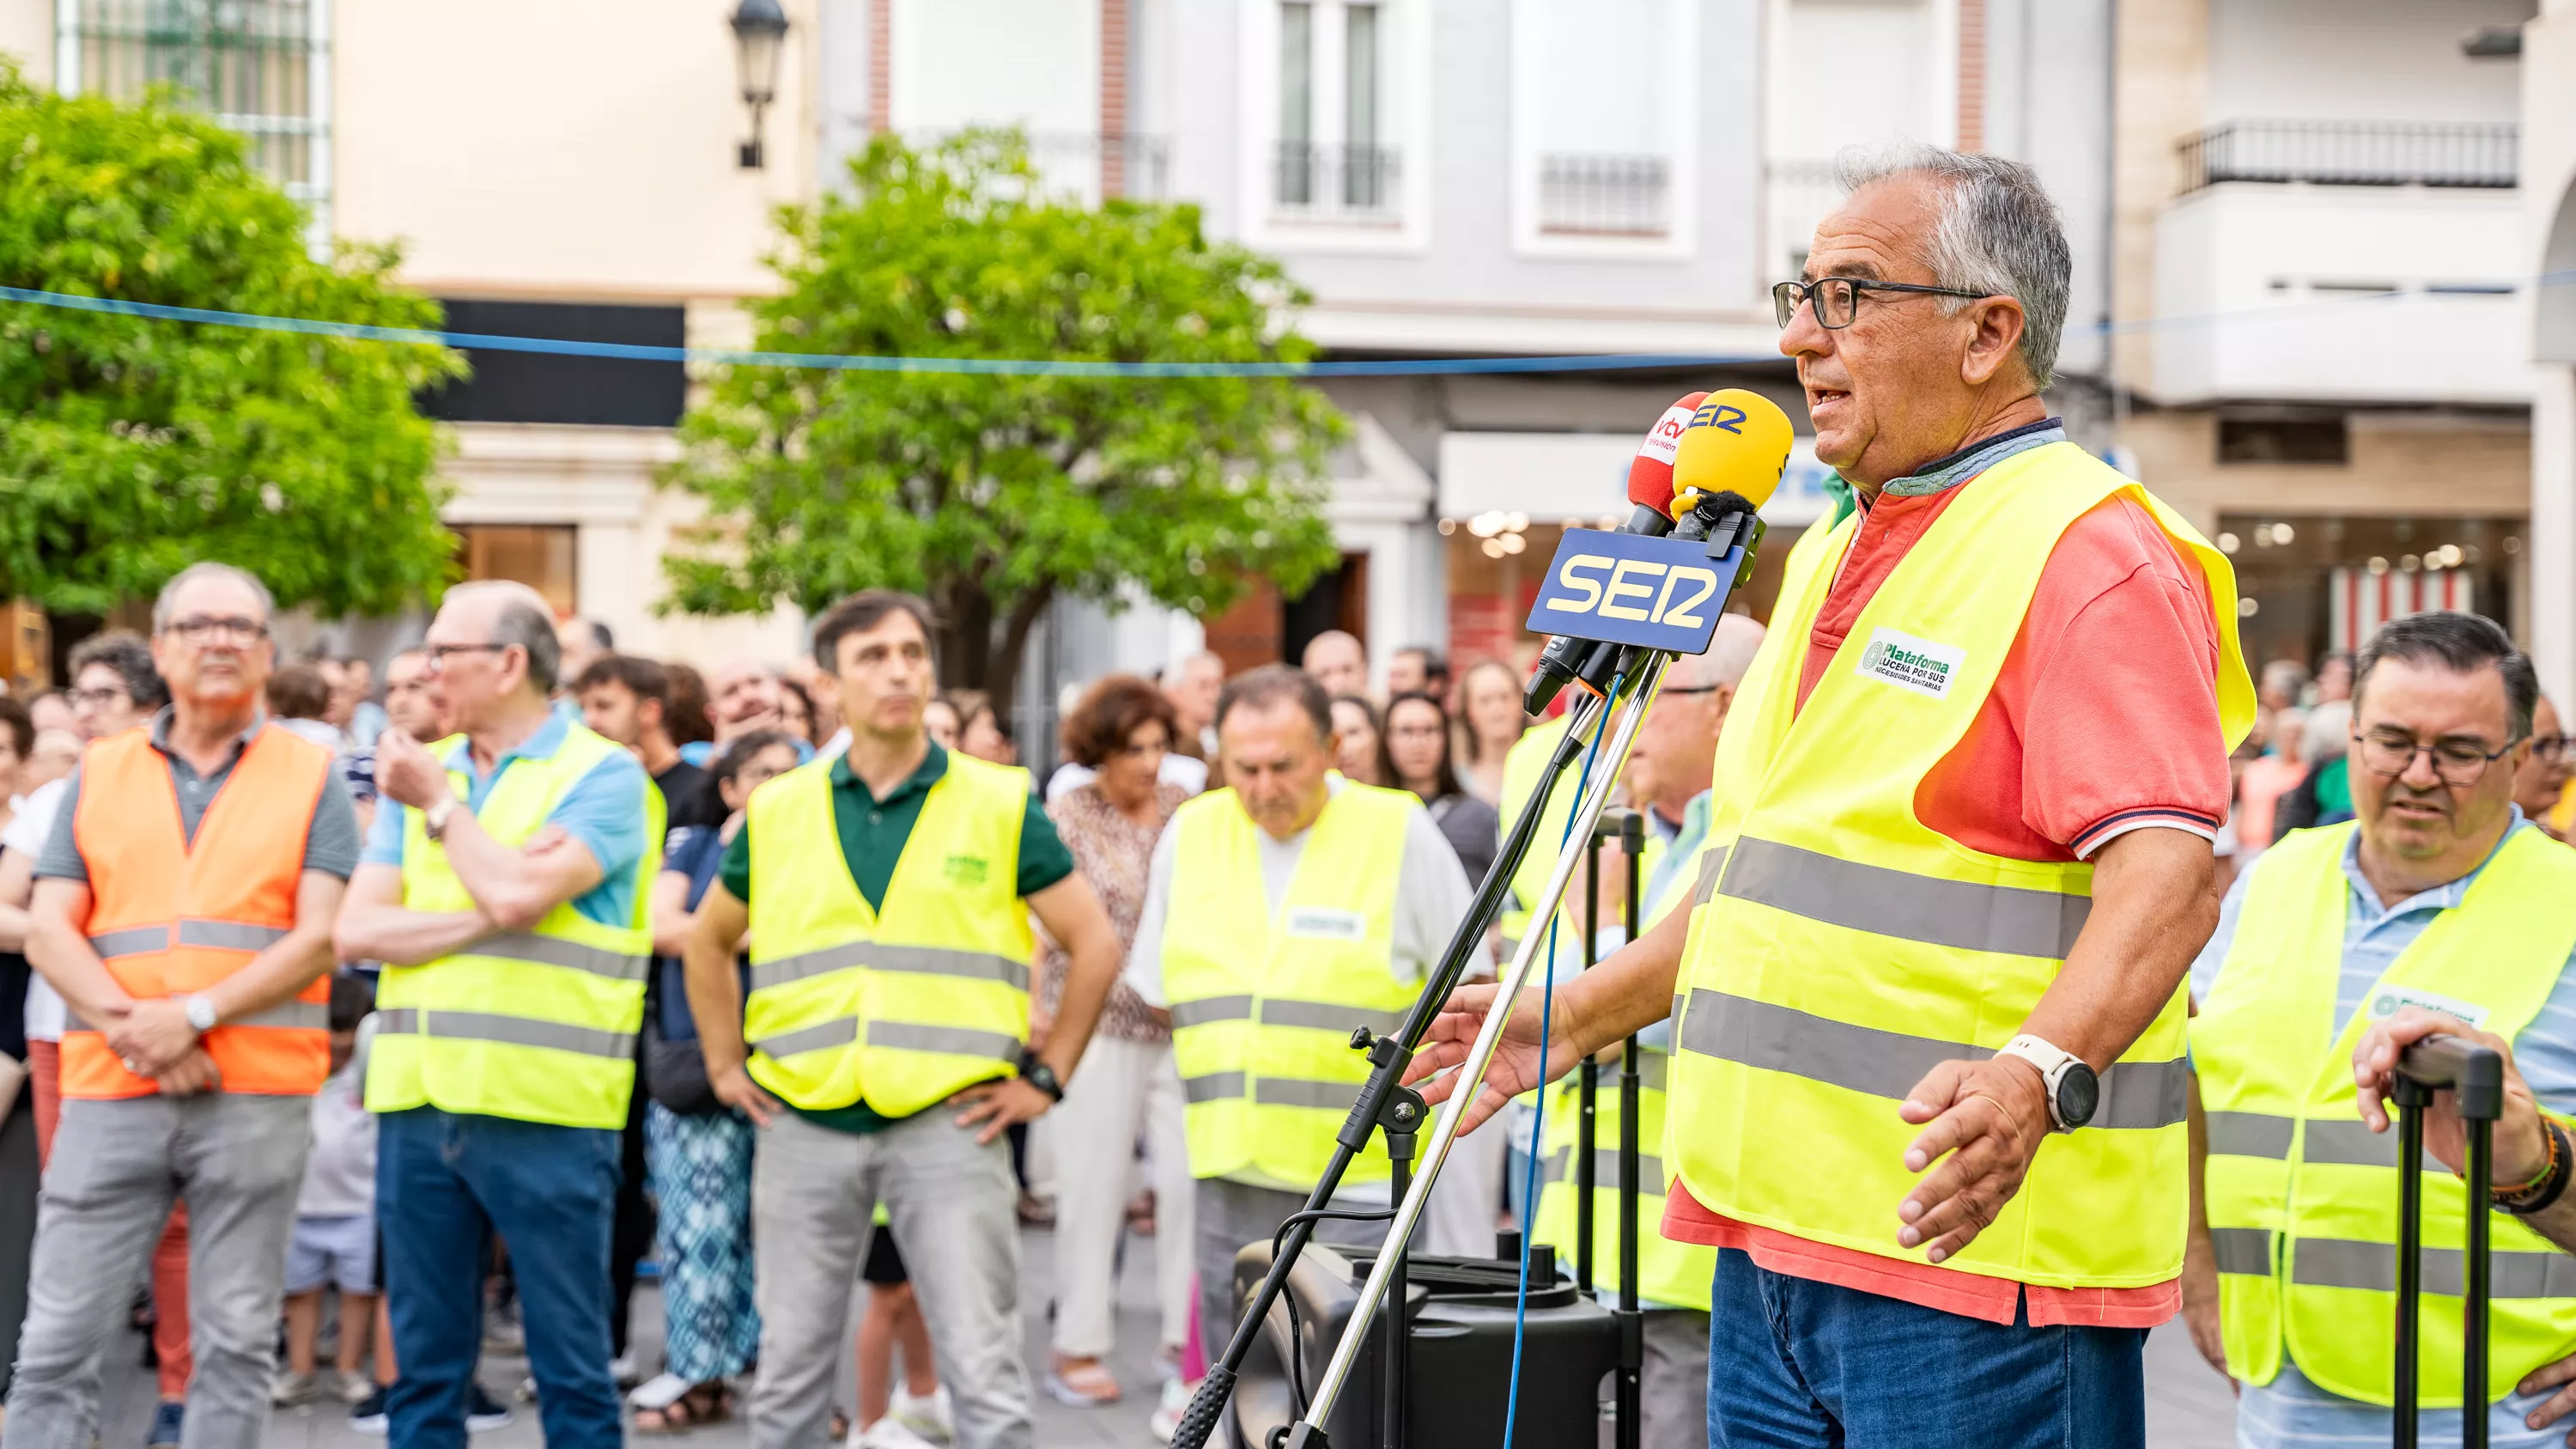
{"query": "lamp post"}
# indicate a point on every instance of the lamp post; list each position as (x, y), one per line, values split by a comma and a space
(759, 31)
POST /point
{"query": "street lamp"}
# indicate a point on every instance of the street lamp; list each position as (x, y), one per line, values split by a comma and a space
(759, 28)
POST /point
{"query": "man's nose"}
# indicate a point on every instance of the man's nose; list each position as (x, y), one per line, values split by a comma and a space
(1805, 336)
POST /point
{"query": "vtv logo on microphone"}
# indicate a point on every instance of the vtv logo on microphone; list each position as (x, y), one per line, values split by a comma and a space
(1626, 588)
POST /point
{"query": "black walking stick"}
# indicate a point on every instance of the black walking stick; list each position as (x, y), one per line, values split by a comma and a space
(2475, 1075)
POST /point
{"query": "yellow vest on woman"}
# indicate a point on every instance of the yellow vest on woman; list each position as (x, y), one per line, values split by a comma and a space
(1263, 1002)
(1849, 948)
(900, 1005)
(537, 1025)
(2303, 1197)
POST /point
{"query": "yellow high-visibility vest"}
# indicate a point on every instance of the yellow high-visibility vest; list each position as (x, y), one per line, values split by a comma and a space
(1676, 1274)
(537, 1025)
(1849, 948)
(2302, 1196)
(1263, 1002)
(902, 1005)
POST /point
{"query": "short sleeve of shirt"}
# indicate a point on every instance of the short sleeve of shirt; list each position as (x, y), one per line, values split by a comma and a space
(1144, 973)
(1044, 858)
(735, 873)
(385, 836)
(34, 822)
(60, 858)
(604, 810)
(331, 842)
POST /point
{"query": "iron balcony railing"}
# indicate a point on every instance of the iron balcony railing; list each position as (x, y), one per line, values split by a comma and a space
(1605, 196)
(1347, 182)
(2352, 153)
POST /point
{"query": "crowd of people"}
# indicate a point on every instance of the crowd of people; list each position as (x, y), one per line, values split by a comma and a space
(393, 1054)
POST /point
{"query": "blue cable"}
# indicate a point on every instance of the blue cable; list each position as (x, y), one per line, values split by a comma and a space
(1538, 1117)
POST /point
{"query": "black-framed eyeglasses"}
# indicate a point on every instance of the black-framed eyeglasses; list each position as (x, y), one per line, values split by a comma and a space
(1837, 299)
(436, 655)
(207, 629)
(2457, 761)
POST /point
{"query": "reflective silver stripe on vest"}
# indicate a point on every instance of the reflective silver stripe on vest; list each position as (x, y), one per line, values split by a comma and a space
(2251, 1134)
(1328, 1016)
(554, 951)
(133, 941)
(1214, 1087)
(878, 956)
(1711, 866)
(2010, 920)
(1605, 1170)
(2345, 1263)
(838, 1032)
(955, 1041)
(1889, 1064)
(765, 974)
(228, 935)
(1295, 1092)
(292, 1014)
(2243, 1250)
(1210, 1009)
(509, 1030)
(2349, 1142)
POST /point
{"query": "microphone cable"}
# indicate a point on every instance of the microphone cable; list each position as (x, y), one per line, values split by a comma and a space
(1538, 1113)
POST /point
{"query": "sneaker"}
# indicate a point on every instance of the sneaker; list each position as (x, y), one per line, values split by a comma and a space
(293, 1390)
(356, 1389)
(1165, 1421)
(623, 1369)
(166, 1422)
(368, 1417)
(928, 1416)
(503, 1333)
(482, 1412)
(889, 1433)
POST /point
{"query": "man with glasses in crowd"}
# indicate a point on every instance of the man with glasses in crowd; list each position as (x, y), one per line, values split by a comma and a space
(505, 887)
(183, 909)
(2540, 786)
(1952, 899)
(2439, 901)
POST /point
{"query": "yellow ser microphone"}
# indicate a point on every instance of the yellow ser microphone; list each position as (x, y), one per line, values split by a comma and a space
(1737, 442)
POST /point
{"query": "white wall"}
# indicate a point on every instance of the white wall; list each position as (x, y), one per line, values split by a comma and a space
(1033, 63)
(27, 37)
(1859, 72)
(2357, 60)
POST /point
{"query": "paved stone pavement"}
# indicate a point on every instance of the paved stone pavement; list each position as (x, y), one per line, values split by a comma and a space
(2188, 1406)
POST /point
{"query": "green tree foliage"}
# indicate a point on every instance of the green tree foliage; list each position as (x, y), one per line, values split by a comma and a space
(996, 495)
(130, 448)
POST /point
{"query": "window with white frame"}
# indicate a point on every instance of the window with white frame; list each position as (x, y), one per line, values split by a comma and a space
(1333, 158)
(259, 67)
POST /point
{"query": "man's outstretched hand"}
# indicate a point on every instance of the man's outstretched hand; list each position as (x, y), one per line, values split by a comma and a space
(1516, 1067)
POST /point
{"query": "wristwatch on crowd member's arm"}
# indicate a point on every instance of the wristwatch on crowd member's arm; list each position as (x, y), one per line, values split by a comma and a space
(201, 1012)
(1039, 1075)
(2073, 1088)
(433, 821)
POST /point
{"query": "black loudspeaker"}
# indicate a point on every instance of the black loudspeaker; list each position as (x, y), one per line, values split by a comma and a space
(1458, 1380)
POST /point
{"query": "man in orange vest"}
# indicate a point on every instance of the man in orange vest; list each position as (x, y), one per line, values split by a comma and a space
(183, 908)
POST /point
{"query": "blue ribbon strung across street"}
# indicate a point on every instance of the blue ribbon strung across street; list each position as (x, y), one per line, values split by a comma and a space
(1057, 367)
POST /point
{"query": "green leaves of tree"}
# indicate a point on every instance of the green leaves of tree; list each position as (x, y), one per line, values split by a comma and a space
(130, 448)
(996, 495)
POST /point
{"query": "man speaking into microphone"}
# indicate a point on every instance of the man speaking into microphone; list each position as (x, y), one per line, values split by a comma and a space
(1928, 1094)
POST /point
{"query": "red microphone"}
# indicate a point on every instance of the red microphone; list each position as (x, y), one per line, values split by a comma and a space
(1650, 473)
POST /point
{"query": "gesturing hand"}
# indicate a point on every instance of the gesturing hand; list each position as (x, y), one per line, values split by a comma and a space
(1516, 1067)
(406, 772)
(999, 1106)
(1989, 1118)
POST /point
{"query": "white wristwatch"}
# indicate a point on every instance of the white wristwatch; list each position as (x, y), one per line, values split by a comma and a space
(201, 1012)
(2073, 1088)
(433, 822)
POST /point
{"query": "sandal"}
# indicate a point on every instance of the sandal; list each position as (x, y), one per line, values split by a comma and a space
(1081, 1383)
(840, 1430)
(695, 1406)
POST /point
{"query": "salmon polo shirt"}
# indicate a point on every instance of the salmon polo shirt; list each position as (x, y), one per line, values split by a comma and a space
(2104, 720)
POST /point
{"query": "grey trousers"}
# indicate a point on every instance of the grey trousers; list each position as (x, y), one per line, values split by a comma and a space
(813, 1196)
(237, 1161)
(1232, 1214)
(1672, 1389)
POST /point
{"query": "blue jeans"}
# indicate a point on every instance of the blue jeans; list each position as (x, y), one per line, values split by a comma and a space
(445, 1183)
(1795, 1364)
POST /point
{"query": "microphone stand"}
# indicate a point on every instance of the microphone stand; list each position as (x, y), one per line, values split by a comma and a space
(1613, 675)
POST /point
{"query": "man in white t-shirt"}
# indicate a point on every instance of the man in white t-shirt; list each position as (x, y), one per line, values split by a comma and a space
(114, 688)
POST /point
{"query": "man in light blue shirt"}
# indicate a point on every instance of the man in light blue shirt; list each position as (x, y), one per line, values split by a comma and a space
(2432, 818)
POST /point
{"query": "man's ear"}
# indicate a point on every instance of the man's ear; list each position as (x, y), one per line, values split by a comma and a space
(651, 720)
(1996, 342)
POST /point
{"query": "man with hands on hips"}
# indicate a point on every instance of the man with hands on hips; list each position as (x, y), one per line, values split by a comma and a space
(1935, 988)
(886, 895)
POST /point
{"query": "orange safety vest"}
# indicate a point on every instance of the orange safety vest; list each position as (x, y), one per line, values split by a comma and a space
(171, 916)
